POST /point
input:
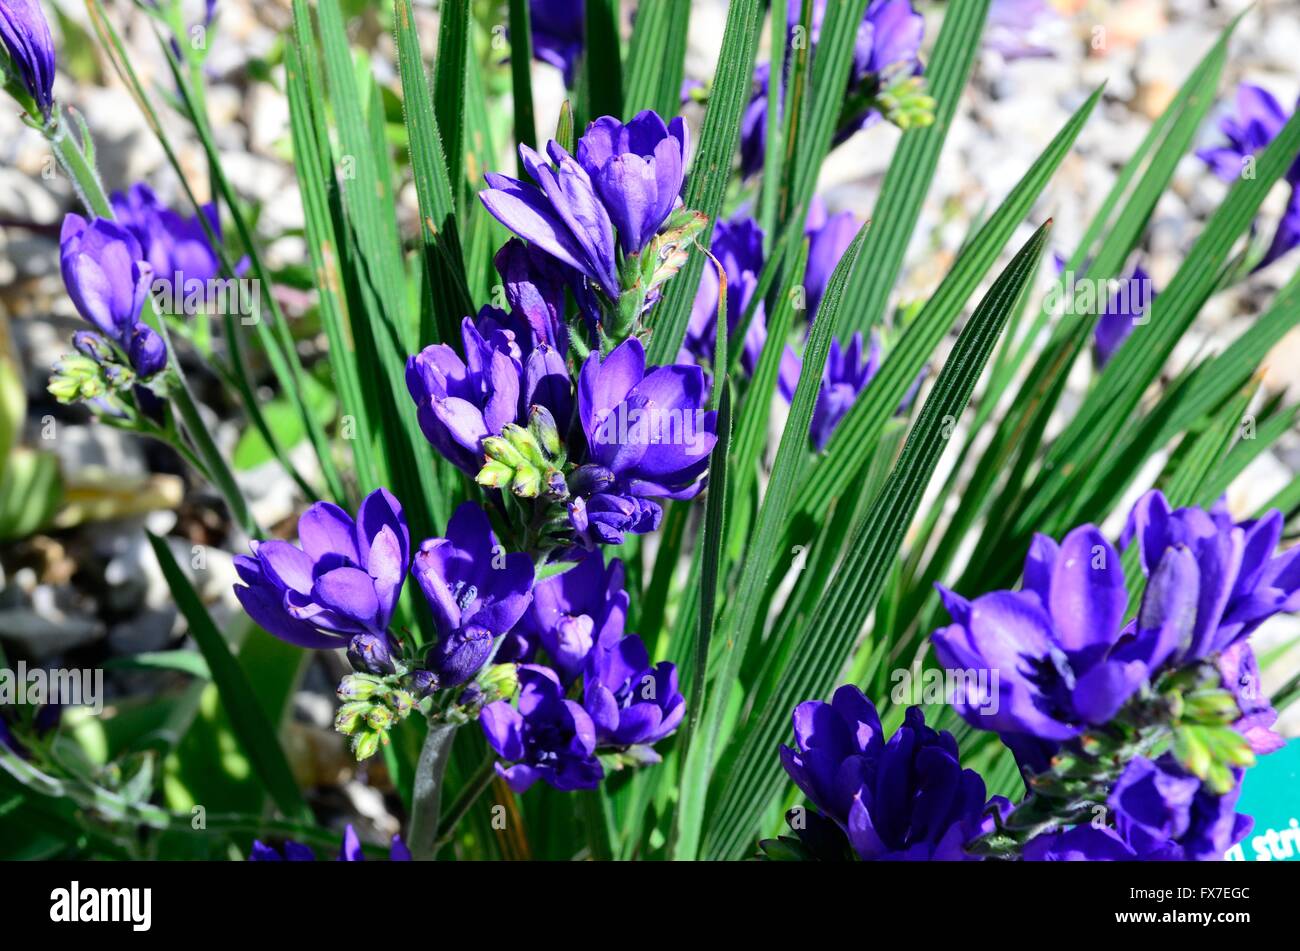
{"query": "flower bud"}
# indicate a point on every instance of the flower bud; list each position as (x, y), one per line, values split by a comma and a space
(379, 718)
(147, 351)
(351, 716)
(366, 744)
(358, 687)
(541, 424)
(370, 653)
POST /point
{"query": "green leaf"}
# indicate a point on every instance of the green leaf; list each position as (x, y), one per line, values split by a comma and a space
(30, 491)
(286, 425)
(694, 776)
(602, 64)
(750, 774)
(254, 731)
(521, 77)
(907, 182)
(860, 429)
(451, 70)
(711, 169)
(656, 61)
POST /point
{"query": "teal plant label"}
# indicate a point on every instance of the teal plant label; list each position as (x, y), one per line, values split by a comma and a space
(1271, 794)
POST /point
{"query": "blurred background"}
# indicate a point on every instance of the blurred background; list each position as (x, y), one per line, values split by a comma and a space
(79, 586)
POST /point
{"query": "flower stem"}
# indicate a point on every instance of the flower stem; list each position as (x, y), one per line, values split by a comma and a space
(465, 800)
(426, 797)
(85, 180)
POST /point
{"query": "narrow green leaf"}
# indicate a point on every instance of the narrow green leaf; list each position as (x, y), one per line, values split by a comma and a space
(255, 733)
(694, 776)
(656, 62)
(711, 168)
(750, 774)
(907, 182)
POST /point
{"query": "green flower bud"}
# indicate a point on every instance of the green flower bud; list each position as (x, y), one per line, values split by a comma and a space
(400, 702)
(379, 718)
(499, 681)
(541, 424)
(76, 377)
(366, 744)
(907, 103)
(358, 687)
(495, 475)
(351, 717)
(499, 449)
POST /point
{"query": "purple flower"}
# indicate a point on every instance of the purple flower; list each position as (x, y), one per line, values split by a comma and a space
(887, 47)
(558, 30)
(175, 246)
(475, 590)
(846, 374)
(545, 737)
(829, 236)
(888, 41)
(1050, 645)
(1080, 844)
(1130, 301)
(561, 215)
(738, 246)
(1240, 672)
(534, 288)
(1166, 814)
(1161, 814)
(107, 279)
(606, 517)
(344, 580)
(907, 798)
(648, 436)
(1014, 28)
(461, 402)
(350, 852)
(1238, 582)
(630, 702)
(1259, 119)
(570, 614)
(26, 38)
(638, 170)
(625, 177)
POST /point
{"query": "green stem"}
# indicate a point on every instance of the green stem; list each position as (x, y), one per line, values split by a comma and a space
(207, 450)
(426, 797)
(85, 181)
(69, 154)
(465, 800)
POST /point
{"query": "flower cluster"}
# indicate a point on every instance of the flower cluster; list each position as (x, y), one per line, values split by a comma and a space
(905, 798)
(600, 693)
(339, 588)
(883, 80)
(611, 213)
(1152, 717)
(1132, 735)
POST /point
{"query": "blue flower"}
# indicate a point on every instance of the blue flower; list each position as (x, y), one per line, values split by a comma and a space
(545, 737)
(905, 798)
(26, 38)
(344, 580)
